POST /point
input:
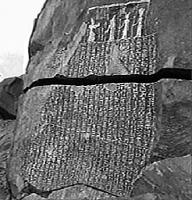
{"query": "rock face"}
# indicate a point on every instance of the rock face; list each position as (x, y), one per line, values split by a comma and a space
(164, 180)
(170, 20)
(10, 89)
(168, 179)
(176, 128)
(107, 141)
(65, 130)
(6, 138)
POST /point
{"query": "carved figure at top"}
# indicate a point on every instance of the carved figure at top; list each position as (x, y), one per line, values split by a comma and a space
(111, 28)
(139, 23)
(91, 27)
(126, 26)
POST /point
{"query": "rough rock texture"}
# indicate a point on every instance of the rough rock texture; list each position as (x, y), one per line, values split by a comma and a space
(175, 141)
(75, 30)
(63, 37)
(169, 179)
(85, 143)
(60, 21)
(176, 122)
(172, 21)
(6, 138)
(10, 89)
(80, 135)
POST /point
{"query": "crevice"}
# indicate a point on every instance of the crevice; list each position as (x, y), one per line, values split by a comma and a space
(45, 194)
(5, 115)
(166, 73)
(31, 189)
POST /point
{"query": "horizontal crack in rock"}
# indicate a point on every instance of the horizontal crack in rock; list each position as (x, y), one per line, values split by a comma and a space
(166, 73)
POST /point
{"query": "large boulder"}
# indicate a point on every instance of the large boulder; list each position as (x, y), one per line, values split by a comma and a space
(53, 140)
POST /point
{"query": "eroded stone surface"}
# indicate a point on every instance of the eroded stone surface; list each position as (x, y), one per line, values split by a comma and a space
(179, 139)
(58, 46)
(172, 21)
(169, 19)
(6, 139)
(111, 39)
(168, 179)
(176, 120)
(90, 135)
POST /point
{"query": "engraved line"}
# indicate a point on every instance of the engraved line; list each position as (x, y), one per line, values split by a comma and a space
(119, 4)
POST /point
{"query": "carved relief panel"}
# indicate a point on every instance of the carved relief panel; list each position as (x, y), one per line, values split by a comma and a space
(100, 135)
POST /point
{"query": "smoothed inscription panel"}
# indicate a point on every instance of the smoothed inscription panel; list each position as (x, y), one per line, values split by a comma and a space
(130, 56)
(116, 21)
(115, 41)
(99, 135)
(111, 39)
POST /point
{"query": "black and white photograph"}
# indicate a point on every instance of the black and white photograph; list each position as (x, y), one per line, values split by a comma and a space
(96, 100)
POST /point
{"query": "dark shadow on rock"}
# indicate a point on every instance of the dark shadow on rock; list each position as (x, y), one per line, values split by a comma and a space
(34, 48)
(10, 90)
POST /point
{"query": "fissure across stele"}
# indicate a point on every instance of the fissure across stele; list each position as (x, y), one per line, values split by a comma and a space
(98, 135)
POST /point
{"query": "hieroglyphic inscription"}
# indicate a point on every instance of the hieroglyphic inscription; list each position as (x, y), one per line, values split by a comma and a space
(92, 135)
